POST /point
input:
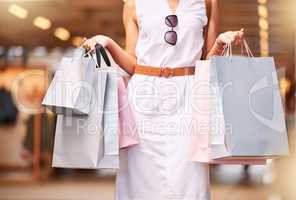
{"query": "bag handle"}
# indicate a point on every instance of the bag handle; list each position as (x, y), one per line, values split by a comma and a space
(227, 51)
(99, 51)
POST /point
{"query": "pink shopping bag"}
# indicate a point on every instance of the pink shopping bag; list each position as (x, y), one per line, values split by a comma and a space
(202, 140)
(128, 135)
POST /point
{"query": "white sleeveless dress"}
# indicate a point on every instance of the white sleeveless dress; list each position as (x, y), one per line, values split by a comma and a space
(159, 167)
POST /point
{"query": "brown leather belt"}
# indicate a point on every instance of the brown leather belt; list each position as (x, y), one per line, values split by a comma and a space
(165, 72)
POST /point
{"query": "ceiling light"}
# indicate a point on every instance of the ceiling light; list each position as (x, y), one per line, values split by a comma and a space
(18, 11)
(62, 34)
(42, 23)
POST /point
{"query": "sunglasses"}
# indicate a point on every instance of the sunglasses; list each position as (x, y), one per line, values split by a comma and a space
(171, 36)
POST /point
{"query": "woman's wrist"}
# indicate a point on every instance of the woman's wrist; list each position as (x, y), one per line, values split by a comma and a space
(219, 42)
(108, 42)
(217, 48)
(219, 45)
(111, 45)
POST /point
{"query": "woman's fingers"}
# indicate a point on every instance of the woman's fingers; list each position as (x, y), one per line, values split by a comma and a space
(233, 37)
(226, 38)
(238, 37)
(86, 45)
(229, 37)
(89, 45)
(241, 35)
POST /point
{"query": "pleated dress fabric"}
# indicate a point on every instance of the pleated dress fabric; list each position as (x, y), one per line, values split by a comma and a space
(159, 168)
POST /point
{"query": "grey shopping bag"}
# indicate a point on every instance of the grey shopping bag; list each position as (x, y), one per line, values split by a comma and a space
(110, 115)
(91, 141)
(71, 87)
(247, 113)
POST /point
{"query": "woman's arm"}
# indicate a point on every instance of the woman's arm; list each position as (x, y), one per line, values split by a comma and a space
(212, 29)
(126, 59)
(214, 42)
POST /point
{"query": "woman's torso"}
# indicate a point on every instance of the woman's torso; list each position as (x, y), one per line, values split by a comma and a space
(156, 98)
(151, 47)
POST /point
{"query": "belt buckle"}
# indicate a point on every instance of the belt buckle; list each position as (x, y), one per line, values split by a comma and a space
(166, 72)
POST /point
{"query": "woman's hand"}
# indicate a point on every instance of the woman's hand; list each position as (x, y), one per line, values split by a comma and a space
(89, 44)
(230, 37)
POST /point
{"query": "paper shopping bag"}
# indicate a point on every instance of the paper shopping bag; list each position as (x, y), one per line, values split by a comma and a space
(244, 116)
(79, 140)
(128, 134)
(91, 142)
(71, 88)
(110, 114)
(206, 134)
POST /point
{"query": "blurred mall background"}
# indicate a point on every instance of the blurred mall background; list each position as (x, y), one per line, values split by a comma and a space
(36, 34)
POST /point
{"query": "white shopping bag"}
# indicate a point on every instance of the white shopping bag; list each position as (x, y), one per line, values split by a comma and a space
(91, 141)
(244, 114)
(71, 88)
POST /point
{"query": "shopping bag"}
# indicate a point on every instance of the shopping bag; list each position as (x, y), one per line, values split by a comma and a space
(204, 108)
(126, 129)
(79, 140)
(110, 114)
(91, 141)
(71, 88)
(239, 113)
(128, 134)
